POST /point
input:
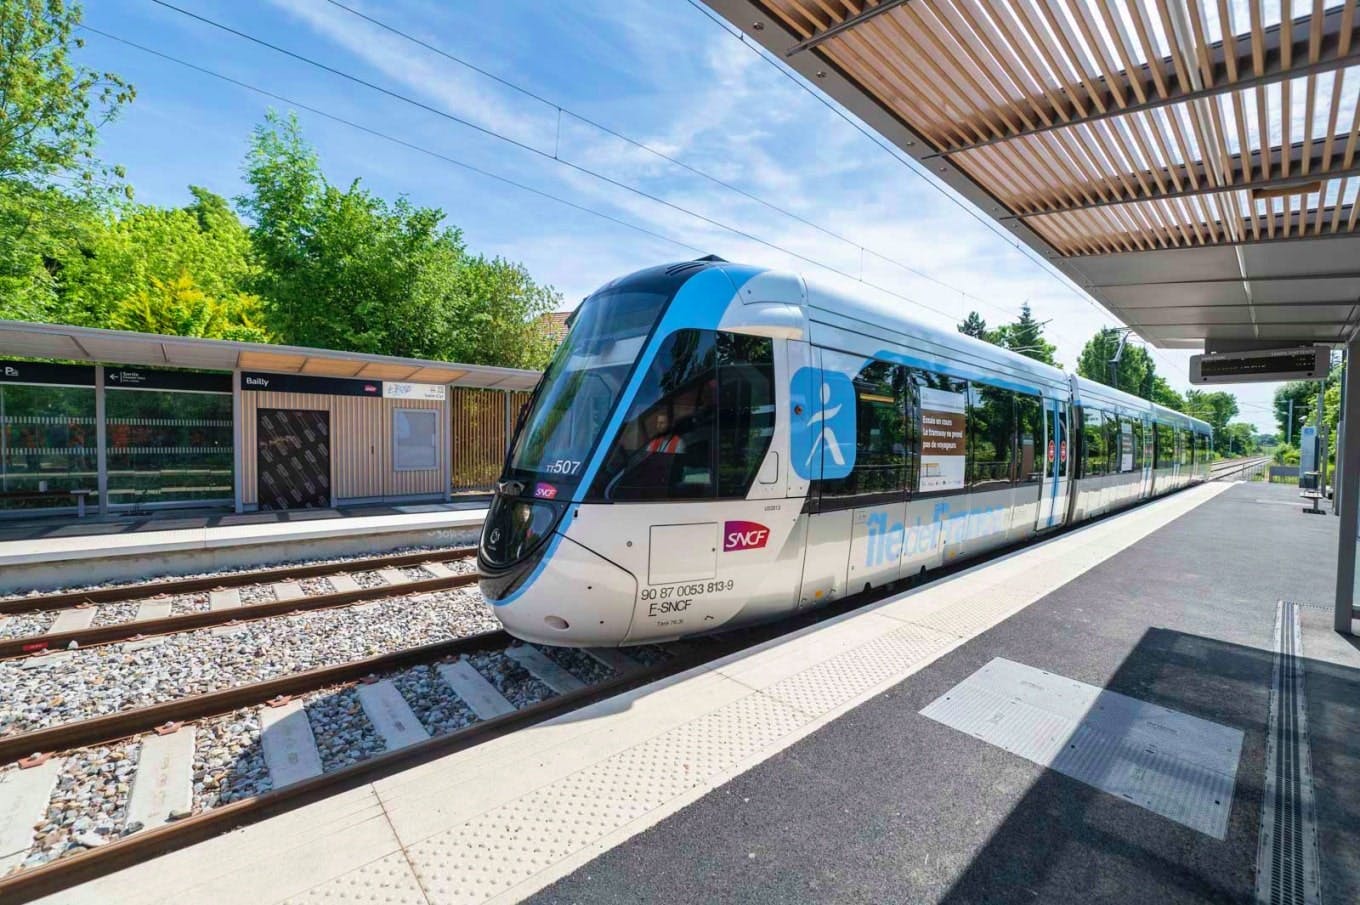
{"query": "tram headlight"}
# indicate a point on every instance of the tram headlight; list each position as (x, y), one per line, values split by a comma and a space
(516, 527)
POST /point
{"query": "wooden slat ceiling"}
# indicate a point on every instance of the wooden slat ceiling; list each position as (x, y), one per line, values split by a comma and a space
(1053, 107)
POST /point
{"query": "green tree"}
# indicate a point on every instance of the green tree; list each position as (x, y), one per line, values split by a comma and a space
(973, 325)
(344, 269)
(1217, 407)
(496, 306)
(1137, 372)
(180, 308)
(140, 254)
(1236, 439)
(1026, 336)
(1304, 394)
(1164, 395)
(51, 181)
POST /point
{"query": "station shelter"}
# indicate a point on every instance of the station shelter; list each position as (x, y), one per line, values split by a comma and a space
(109, 421)
(1190, 166)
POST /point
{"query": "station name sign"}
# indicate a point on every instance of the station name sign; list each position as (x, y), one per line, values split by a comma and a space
(1306, 363)
(46, 373)
(253, 382)
(395, 390)
(153, 379)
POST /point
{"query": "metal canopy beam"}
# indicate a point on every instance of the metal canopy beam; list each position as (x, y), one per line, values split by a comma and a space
(1286, 278)
(1106, 101)
(844, 25)
(1241, 172)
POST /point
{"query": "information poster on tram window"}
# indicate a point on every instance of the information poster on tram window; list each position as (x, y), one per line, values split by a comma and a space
(1126, 446)
(943, 440)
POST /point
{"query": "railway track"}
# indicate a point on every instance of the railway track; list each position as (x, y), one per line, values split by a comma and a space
(501, 684)
(1232, 467)
(220, 600)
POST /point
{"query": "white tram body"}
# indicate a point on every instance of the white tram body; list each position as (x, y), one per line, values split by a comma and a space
(715, 445)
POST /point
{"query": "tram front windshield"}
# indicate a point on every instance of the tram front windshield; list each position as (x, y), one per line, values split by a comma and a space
(581, 387)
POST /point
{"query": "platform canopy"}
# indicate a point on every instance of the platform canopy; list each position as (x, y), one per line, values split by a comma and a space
(1191, 163)
(25, 340)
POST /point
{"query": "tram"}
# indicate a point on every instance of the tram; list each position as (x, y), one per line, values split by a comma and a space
(715, 444)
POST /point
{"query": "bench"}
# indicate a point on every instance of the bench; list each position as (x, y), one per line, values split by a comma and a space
(1314, 497)
(80, 495)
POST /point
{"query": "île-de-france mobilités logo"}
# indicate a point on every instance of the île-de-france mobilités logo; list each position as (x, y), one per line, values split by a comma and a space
(822, 439)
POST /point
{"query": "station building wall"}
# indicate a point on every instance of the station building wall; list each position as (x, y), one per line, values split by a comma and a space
(362, 448)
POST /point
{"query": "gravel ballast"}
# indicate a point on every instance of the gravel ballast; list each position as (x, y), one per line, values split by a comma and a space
(21, 625)
(342, 730)
(89, 805)
(110, 678)
(577, 662)
(512, 680)
(432, 701)
(228, 760)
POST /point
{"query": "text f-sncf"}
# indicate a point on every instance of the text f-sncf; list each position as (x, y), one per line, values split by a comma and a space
(744, 536)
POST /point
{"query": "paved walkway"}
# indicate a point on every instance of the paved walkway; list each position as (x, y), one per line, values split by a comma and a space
(888, 805)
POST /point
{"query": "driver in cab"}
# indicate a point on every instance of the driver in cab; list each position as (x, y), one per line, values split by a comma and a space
(663, 438)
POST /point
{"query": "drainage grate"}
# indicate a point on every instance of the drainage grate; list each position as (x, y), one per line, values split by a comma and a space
(1287, 871)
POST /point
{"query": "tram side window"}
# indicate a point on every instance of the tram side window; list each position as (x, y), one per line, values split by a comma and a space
(701, 423)
(1137, 434)
(1093, 456)
(885, 435)
(991, 436)
(1029, 419)
(1111, 443)
(1166, 446)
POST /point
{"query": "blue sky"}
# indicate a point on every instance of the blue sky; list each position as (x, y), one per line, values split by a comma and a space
(659, 72)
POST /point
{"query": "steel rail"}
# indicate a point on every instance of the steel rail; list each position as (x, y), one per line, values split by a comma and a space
(1220, 470)
(250, 612)
(63, 873)
(62, 600)
(102, 729)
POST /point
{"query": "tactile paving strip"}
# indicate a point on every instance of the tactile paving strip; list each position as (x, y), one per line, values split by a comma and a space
(843, 678)
(496, 850)
(387, 881)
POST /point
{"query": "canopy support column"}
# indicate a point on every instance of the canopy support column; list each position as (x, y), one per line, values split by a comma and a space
(1348, 491)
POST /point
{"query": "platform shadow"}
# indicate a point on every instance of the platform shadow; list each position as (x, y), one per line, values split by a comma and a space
(1067, 841)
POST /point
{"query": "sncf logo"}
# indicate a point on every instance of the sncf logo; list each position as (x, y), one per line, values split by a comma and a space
(744, 536)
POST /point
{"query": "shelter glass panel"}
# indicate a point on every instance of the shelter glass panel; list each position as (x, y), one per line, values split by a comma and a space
(168, 447)
(47, 445)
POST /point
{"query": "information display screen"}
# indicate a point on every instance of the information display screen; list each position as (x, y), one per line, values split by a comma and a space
(1244, 367)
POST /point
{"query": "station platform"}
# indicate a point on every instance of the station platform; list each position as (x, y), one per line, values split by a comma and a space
(919, 749)
(39, 553)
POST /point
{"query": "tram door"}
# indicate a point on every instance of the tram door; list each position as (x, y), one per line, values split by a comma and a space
(1057, 465)
(1148, 458)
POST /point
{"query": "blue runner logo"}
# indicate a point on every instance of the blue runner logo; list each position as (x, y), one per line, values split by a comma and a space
(822, 440)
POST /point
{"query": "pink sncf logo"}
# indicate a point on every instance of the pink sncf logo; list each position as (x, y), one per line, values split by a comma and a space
(744, 536)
